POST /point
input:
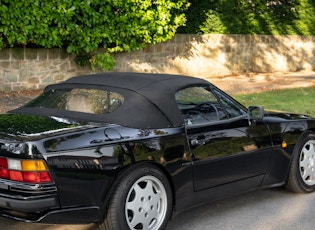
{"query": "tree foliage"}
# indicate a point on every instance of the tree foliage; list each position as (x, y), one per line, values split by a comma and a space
(277, 17)
(82, 26)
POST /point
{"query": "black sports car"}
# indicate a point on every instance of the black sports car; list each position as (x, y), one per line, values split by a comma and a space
(126, 150)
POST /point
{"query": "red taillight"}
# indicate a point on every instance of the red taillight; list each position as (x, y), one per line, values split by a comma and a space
(4, 173)
(28, 171)
(31, 177)
(3, 162)
(16, 175)
(36, 177)
(44, 177)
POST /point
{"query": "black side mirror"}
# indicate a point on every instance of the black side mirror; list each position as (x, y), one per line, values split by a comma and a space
(255, 113)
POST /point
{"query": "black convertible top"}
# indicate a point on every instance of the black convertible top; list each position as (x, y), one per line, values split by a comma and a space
(149, 98)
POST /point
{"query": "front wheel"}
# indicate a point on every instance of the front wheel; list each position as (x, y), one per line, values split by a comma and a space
(141, 200)
(302, 172)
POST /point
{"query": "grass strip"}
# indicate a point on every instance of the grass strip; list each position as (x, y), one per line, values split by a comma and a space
(296, 100)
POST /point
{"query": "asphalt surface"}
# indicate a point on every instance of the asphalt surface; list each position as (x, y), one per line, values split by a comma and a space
(267, 209)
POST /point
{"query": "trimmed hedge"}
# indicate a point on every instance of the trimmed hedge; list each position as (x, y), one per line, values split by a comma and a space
(82, 26)
(274, 17)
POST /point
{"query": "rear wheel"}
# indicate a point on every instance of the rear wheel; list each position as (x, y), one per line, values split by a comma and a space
(302, 172)
(141, 200)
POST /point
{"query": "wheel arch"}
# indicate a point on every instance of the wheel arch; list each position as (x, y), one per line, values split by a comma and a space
(109, 217)
(311, 130)
(169, 178)
(164, 171)
(125, 170)
(304, 134)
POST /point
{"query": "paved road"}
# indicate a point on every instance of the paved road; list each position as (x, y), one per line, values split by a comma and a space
(268, 209)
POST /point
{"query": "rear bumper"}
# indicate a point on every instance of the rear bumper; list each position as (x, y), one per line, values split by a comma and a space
(28, 205)
(80, 215)
(27, 201)
(28, 209)
(46, 210)
(40, 203)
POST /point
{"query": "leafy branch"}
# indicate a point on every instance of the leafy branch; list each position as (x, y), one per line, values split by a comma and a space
(82, 27)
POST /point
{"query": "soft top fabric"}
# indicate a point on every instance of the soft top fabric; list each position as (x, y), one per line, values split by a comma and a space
(149, 98)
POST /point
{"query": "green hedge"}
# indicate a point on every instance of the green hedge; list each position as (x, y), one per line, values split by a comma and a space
(82, 26)
(277, 17)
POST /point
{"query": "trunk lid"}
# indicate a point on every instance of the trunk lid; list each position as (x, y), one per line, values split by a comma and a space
(19, 127)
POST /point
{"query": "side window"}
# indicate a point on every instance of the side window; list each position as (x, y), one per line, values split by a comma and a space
(232, 108)
(198, 106)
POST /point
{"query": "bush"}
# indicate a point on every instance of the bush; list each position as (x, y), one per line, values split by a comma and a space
(277, 17)
(83, 26)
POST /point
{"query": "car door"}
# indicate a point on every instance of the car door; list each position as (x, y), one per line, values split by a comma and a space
(225, 147)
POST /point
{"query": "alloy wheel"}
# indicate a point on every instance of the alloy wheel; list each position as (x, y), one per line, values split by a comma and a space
(307, 163)
(146, 204)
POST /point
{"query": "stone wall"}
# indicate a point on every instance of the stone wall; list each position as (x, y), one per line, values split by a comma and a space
(196, 55)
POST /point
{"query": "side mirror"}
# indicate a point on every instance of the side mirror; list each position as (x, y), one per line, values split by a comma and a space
(255, 113)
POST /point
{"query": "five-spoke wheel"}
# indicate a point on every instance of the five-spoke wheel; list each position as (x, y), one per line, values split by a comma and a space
(302, 171)
(141, 200)
(307, 163)
(146, 204)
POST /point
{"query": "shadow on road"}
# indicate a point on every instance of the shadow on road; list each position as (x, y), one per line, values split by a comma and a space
(268, 209)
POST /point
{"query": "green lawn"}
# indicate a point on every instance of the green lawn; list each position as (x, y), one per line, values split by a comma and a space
(297, 100)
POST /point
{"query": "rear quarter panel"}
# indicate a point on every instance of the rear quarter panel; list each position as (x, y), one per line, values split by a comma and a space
(88, 163)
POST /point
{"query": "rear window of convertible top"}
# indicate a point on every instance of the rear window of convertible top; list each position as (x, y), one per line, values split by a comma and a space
(92, 101)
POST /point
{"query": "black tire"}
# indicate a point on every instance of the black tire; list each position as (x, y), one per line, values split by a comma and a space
(142, 199)
(301, 177)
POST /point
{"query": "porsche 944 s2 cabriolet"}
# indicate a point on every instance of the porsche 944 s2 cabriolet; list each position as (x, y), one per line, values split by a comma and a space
(127, 150)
